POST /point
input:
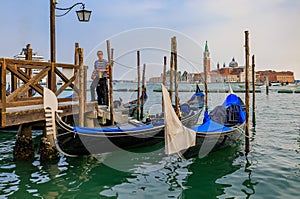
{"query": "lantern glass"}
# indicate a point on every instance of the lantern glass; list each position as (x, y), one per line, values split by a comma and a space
(83, 15)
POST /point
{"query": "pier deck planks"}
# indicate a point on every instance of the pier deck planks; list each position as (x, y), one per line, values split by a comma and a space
(34, 113)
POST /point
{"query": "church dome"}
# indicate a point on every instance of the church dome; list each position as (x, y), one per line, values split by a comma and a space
(233, 63)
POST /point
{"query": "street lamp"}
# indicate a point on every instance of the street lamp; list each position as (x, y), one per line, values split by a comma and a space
(83, 16)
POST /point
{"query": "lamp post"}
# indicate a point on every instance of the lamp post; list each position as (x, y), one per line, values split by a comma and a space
(83, 16)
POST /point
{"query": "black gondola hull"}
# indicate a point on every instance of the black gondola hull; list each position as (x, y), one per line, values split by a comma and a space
(80, 143)
(210, 142)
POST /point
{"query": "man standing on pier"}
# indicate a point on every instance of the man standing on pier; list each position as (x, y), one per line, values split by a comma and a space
(99, 76)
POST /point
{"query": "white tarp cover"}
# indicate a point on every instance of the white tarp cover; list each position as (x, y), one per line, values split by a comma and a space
(177, 136)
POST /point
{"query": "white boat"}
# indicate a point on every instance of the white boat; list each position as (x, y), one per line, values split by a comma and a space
(35, 56)
(275, 84)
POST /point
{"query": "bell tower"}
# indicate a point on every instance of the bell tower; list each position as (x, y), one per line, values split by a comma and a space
(206, 59)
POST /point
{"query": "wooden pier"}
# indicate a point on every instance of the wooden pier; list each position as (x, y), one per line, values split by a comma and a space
(22, 104)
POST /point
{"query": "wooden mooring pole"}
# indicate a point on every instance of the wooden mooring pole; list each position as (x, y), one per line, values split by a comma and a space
(171, 73)
(82, 89)
(29, 71)
(253, 91)
(164, 81)
(174, 50)
(247, 96)
(138, 86)
(165, 71)
(143, 92)
(267, 85)
(111, 104)
(24, 148)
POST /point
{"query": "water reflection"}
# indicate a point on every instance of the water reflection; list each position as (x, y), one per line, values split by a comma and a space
(203, 180)
(151, 176)
(298, 141)
(248, 183)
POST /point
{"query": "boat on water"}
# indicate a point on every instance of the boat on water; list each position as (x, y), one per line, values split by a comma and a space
(222, 127)
(275, 84)
(76, 141)
(132, 105)
(257, 85)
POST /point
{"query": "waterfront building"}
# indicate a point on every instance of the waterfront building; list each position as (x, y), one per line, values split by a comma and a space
(231, 73)
(273, 76)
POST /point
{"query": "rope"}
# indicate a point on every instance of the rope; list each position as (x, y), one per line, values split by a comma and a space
(180, 156)
(124, 65)
(241, 131)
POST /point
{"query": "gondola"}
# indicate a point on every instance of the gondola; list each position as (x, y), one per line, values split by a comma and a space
(132, 105)
(221, 128)
(76, 141)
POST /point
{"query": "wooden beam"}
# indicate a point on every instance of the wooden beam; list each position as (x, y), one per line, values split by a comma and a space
(28, 56)
(253, 92)
(13, 85)
(26, 78)
(30, 83)
(164, 81)
(67, 66)
(174, 45)
(111, 105)
(37, 64)
(171, 72)
(52, 78)
(247, 96)
(64, 86)
(110, 95)
(143, 92)
(30, 114)
(82, 89)
(61, 75)
(76, 62)
(165, 70)
(23, 103)
(138, 86)
(27, 63)
(3, 93)
(68, 82)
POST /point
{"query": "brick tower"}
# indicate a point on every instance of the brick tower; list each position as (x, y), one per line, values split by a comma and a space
(206, 59)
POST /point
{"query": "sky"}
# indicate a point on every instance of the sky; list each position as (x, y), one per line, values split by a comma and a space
(148, 26)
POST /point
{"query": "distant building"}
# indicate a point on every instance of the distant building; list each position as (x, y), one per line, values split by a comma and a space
(160, 79)
(231, 73)
(273, 76)
(155, 79)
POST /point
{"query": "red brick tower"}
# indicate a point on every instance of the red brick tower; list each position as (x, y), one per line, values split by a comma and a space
(206, 59)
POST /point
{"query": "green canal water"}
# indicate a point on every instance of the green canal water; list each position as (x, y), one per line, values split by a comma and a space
(271, 169)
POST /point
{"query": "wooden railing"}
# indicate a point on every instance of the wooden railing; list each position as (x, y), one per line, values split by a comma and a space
(23, 83)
